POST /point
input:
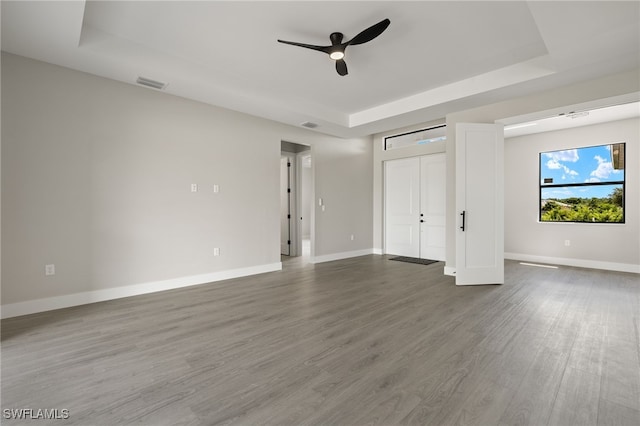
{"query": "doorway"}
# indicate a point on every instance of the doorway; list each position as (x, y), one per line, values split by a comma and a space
(415, 200)
(295, 200)
(286, 205)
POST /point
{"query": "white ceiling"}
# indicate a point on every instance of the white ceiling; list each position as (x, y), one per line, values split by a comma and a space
(435, 57)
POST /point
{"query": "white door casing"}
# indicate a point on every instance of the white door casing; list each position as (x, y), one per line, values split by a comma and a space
(479, 204)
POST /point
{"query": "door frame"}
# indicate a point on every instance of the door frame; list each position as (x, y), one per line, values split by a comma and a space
(296, 195)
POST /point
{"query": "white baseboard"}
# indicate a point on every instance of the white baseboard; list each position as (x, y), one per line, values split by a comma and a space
(450, 270)
(339, 256)
(83, 298)
(580, 263)
(377, 251)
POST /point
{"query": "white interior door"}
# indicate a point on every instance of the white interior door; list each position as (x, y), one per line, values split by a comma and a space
(479, 204)
(432, 206)
(402, 195)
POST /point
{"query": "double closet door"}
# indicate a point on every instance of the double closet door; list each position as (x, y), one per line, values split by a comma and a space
(415, 197)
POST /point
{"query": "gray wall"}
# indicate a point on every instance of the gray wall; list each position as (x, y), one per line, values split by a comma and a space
(524, 235)
(96, 179)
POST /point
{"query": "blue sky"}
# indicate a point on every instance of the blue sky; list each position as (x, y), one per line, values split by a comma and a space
(592, 164)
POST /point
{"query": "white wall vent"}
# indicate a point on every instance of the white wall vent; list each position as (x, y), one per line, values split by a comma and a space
(143, 81)
(309, 125)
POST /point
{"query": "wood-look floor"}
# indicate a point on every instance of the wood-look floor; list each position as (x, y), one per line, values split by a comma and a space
(354, 342)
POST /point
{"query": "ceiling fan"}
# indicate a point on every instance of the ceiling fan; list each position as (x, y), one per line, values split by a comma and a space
(337, 48)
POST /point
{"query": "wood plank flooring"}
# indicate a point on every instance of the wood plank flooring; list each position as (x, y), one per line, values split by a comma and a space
(363, 341)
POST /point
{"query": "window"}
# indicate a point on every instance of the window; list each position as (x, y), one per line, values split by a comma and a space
(417, 137)
(583, 184)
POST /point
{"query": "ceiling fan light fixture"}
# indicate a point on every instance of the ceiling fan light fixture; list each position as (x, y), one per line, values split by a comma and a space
(337, 48)
(337, 55)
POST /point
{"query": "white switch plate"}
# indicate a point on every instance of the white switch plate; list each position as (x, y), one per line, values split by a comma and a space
(567, 243)
(216, 188)
(352, 237)
(319, 201)
(323, 208)
(194, 187)
(50, 269)
(216, 251)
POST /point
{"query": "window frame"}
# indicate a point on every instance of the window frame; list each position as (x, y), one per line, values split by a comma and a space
(384, 146)
(622, 182)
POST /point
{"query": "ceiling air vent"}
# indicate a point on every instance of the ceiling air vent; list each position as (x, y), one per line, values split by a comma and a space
(574, 114)
(151, 83)
(309, 125)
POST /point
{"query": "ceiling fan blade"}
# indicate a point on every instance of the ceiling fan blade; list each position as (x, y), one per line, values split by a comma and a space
(341, 67)
(324, 49)
(370, 33)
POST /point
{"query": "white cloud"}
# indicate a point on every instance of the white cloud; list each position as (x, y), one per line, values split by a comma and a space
(570, 155)
(553, 165)
(605, 168)
(592, 179)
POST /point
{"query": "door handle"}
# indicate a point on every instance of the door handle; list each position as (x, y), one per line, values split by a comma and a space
(463, 214)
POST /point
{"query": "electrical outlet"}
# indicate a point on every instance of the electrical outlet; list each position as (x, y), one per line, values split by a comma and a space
(567, 243)
(216, 251)
(352, 237)
(50, 269)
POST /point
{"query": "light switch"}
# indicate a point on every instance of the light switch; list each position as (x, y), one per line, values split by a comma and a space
(216, 188)
(50, 269)
(194, 187)
(319, 201)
